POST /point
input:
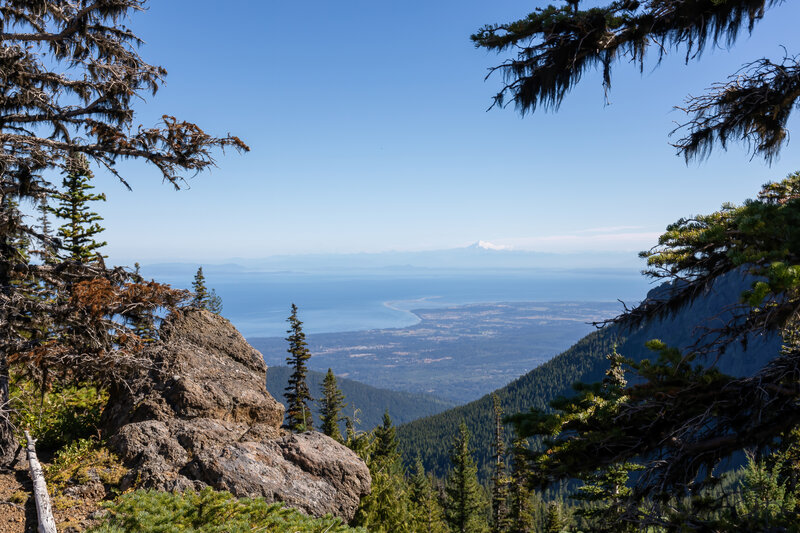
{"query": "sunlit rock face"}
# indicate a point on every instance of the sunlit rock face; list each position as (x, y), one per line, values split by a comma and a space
(201, 416)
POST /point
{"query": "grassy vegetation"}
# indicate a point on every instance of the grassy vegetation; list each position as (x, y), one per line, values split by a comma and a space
(208, 511)
(61, 415)
(82, 461)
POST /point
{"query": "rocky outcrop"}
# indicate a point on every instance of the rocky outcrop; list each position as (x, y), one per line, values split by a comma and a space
(202, 416)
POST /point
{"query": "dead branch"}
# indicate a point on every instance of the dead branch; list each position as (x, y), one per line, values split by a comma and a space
(44, 510)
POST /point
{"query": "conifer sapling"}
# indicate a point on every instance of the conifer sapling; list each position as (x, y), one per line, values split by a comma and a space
(298, 415)
(331, 407)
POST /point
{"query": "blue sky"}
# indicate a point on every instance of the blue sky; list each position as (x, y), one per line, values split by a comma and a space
(369, 132)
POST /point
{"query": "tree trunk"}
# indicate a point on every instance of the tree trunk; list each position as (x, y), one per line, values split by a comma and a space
(8, 444)
(44, 511)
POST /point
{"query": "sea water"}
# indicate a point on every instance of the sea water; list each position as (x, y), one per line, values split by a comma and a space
(258, 303)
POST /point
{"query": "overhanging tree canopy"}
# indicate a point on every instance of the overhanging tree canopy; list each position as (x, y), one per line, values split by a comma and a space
(71, 71)
(555, 46)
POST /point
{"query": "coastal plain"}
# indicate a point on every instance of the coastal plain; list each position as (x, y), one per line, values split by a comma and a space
(458, 353)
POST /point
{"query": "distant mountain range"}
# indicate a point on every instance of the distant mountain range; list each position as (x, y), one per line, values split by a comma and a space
(481, 255)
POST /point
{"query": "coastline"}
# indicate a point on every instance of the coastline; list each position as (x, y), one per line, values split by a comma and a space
(396, 305)
(338, 306)
(412, 310)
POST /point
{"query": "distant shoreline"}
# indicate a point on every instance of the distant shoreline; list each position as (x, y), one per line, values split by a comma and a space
(394, 305)
(259, 307)
(415, 312)
(452, 353)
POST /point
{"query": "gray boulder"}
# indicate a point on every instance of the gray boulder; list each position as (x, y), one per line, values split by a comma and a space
(201, 416)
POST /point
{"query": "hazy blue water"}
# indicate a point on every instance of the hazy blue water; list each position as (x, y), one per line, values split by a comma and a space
(259, 303)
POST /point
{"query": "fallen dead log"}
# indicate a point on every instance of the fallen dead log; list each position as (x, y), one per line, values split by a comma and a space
(44, 511)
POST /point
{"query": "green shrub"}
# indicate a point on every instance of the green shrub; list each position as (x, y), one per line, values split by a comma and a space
(80, 461)
(208, 511)
(65, 413)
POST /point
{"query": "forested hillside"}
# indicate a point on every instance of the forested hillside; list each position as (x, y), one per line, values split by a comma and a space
(585, 362)
(368, 403)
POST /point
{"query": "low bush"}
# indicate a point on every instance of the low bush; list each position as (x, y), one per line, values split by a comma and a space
(65, 413)
(81, 461)
(208, 511)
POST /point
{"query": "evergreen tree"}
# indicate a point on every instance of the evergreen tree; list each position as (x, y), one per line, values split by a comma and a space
(143, 323)
(331, 407)
(44, 221)
(48, 245)
(214, 302)
(358, 441)
(500, 520)
(349, 431)
(689, 414)
(199, 289)
(606, 490)
(766, 503)
(787, 456)
(385, 441)
(428, 513)
(465, 508)
(521, 515)
(555, 519)
(388, 507)
(298, 415)
(82, 225)
(203, 298)
(13, 250)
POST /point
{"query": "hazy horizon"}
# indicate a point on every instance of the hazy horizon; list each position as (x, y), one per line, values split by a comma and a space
(391, 147)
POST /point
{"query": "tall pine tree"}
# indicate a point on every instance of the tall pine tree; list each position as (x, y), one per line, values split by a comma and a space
(500, 522)
(521, 515)
(331, 407)
(465, 507)
(199, 288)
(47, 250)
(144, 323)
(81, 223)
(385, 447)
(298, 415)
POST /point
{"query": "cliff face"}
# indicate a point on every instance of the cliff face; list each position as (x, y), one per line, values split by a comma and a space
(202, 416)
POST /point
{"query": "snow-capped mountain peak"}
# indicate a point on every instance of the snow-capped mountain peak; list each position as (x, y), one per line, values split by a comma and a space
(486, 245)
